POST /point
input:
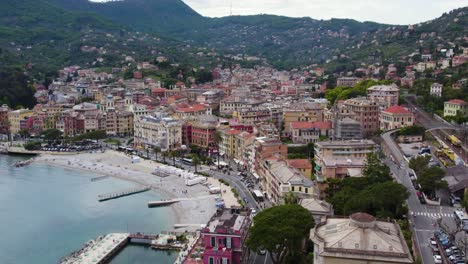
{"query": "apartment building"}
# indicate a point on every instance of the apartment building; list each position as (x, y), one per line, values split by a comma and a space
(157, 131)
(340, 159)
(364, 111)
(16, 116)
(384, 95)
(454, 107)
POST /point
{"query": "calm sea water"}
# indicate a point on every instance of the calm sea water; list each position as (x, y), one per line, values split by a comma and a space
(47, 212)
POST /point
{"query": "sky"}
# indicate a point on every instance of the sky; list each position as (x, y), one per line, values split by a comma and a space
(401, 12)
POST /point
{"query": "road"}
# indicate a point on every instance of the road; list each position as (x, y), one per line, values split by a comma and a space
(423, 217)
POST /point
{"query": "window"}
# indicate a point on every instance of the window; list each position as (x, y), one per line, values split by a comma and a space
(228, 242)
(213, 241)
(211, 260)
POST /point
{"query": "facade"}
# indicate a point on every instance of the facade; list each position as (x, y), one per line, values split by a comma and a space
(228, 142)
(396, 117)
(359, 239)
(157, 131)
(384, 95)
(454, 107)
(300, 114)
(278, 179)
(347, 129)
(347, 81)
(193, 111)
(340, 159)
(4, 123)
(309, 132)
(365, 112)
(119, 123)
(203, 135)
(16, 116)
(253, 116)
(224, 236)
(436, 89)
(302, 165)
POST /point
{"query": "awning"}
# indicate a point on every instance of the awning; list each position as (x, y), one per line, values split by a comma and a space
(256, 176)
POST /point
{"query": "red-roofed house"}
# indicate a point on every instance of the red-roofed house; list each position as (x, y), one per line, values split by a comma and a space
(309, 132)
(396, 117)
(454, 107)
(303, 165)
(191, 111)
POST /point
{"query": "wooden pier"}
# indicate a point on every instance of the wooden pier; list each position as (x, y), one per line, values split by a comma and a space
(115, 195)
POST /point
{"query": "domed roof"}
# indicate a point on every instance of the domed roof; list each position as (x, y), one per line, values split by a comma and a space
(362, 220)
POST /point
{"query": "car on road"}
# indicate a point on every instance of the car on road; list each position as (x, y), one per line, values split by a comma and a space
(433, 242)
(437, 259)
(263, 252)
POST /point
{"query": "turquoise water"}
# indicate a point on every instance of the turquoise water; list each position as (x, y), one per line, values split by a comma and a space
(47, 212)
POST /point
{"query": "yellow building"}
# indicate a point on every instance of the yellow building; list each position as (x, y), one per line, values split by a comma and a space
(15, 117)
(454, 107)
(312, 114)
(228, 142)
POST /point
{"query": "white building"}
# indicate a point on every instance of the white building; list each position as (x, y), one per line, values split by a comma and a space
(436, 89)
(157, 131)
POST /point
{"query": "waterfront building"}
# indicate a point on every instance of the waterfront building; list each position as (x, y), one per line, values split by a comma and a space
(16, 116)
(223, 238)
(157, 131)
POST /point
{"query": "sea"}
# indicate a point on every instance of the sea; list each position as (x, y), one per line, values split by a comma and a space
(46, 212)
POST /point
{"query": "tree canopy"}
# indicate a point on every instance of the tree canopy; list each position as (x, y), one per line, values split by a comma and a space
(281, 231)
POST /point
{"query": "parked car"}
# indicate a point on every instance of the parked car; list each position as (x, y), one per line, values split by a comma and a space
(437, 259)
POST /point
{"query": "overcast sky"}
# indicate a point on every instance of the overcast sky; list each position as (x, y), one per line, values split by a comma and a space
(383, 11)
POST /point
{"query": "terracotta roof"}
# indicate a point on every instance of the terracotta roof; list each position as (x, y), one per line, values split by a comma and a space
(396, 109)
(299, 163)
(309, 125)
(232, 132)
(457, 101)
(193, 108)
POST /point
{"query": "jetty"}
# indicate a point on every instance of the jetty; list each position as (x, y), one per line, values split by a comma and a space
(98, 251)
(23, 163)
(99, 178)
(115, 195)
(175, 200)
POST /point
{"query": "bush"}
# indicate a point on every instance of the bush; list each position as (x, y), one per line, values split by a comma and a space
(99, 134)
(32, 145)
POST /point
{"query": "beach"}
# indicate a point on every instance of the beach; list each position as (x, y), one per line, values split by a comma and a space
(197, 207)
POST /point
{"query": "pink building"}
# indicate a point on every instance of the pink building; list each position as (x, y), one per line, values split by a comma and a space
(223, 237)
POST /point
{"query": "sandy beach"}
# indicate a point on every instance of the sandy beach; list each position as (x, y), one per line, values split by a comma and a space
(198, 207)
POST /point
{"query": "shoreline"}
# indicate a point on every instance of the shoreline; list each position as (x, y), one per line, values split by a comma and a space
(198, 207)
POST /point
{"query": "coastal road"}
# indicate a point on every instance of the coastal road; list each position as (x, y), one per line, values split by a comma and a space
(423, 217)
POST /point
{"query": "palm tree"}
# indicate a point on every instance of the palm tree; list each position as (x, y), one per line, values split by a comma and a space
(173, 154)
(218, 139)
(195, 162)
(290, 198)
(156, 150)
(164, 154)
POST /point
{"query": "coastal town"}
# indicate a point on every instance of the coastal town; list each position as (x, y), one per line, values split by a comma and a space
(146, 132)
(255, 138)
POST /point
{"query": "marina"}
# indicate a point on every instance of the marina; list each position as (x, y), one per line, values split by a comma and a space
(115, 195)
(104, 248)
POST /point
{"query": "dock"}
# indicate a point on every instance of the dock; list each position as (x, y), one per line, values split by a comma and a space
(98, 251)
(115, 195)
(175, 200)
(99, 178)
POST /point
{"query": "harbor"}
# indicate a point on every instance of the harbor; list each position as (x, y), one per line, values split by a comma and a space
(104, 248)
(115, 195)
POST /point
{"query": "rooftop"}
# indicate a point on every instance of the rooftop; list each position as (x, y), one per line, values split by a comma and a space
(228, 221)
(299, 163)
(310, 125)
(457, 101)
(363, 237)
(396, 109)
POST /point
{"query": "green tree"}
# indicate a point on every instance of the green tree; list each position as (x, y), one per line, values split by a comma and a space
(52, 134)
(419, 164)
(376, 170)
(195, 162)
(156, 150)
(24, 133)
(281, 230)
(164, 154)
(431, 180)
(173, 154)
